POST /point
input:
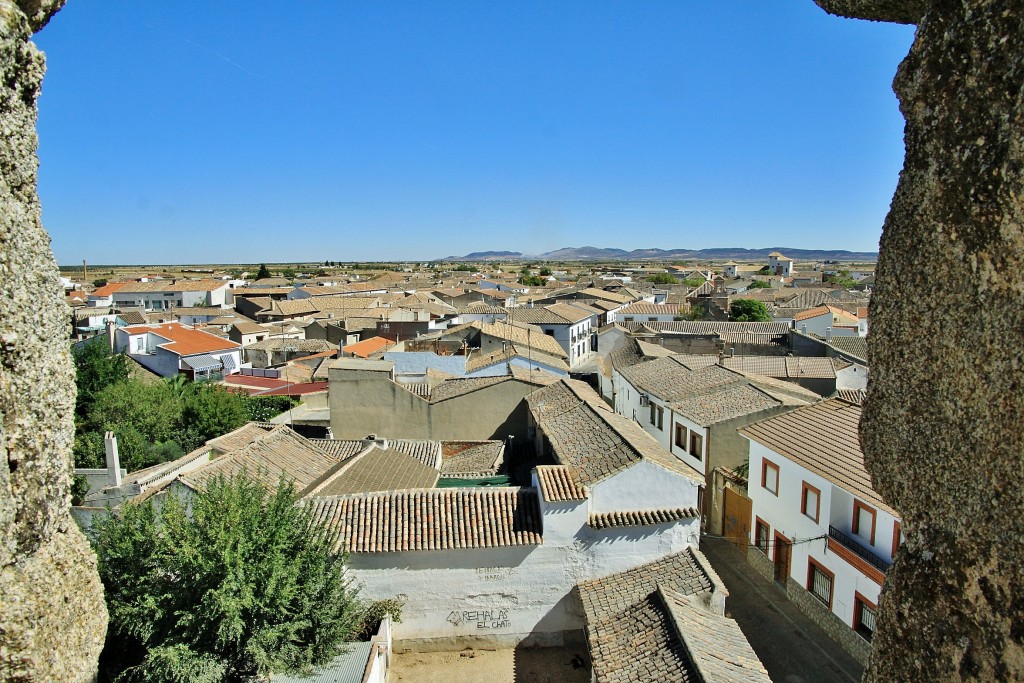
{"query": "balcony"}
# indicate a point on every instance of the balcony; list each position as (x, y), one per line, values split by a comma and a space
(862, 559)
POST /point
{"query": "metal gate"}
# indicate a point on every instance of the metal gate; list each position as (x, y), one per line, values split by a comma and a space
(736, 518)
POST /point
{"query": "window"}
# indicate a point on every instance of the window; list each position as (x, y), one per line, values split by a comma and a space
(681, 436)
(864, 616)
(628, 319)
(657, 416)
(770, 476)
(897, 537)
(696, 444)
(819, 582)
(762, 532)
(810, 501)
(864, 521)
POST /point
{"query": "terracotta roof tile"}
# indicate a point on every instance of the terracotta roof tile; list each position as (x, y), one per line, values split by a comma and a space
(433, 519)
(557, 484)
(184, 340)
(610, 520)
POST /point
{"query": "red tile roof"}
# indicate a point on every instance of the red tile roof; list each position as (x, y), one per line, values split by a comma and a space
(184, 340)
(368, 347)
(108, 289)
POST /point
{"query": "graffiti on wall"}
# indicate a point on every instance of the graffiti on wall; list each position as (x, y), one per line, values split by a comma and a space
(481, 618)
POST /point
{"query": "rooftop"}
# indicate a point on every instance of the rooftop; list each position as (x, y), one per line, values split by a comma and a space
(182, 339)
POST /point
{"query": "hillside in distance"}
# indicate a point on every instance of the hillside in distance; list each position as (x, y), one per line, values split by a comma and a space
(655, 254)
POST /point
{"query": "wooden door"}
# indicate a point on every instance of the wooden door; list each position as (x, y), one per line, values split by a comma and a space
(736, 518)
(783, 554)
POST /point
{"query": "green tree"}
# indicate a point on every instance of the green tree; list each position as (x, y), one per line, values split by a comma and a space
(99, 283)
(748, 311)
(759, 284)
(236, 584)
(288, 273)
(662, 279)
(263, 272)
(96, 368)
(207, 413)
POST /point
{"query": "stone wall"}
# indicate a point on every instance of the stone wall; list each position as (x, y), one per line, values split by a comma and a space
(53, 620)
(941, 430)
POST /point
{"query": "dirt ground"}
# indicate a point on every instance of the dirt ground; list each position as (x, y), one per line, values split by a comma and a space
(533, 665)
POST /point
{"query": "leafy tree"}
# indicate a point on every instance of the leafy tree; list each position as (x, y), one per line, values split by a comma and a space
(263, 272)
(209, 412)
(96, 368)
(662, 279)
(288, 273)
(99, 283)
(151, 409)
(694, 281)
(759, 284)
(235, 584)
(748, 311)
(545, 271)
(262, 408)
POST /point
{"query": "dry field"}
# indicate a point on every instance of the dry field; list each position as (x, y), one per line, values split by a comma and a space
(525, 665)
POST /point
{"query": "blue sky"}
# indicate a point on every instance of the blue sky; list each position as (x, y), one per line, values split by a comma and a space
(198, 132)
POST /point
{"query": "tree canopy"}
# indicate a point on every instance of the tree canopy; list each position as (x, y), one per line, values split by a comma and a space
(236, 582)
(263, 272)
(748, 311)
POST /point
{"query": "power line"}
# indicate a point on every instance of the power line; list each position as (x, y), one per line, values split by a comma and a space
(768, 542)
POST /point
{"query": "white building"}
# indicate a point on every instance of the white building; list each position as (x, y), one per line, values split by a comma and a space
(828, 321)
(780, 265)
(819, 526)
(572, 325)
(172, 348)
(162, 295)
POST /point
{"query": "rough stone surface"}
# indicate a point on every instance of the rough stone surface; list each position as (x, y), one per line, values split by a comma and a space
(53, 619)
(896, 11)
(942, 431)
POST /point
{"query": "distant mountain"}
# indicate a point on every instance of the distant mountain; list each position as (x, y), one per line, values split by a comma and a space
(654, 254)
(486, 256)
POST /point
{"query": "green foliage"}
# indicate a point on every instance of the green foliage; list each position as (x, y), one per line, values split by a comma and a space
(375, 613)
(99, 283)
(288, 273)
(545, 271)
(759, 284)
(208, 412)
(842, 279)
(150, 409)
(464, 268)
(237, 584)
(694, 281)
(96, 368)
(263, 272)
(263, 408)
(662, 279)
(79, 488)
(748, 311)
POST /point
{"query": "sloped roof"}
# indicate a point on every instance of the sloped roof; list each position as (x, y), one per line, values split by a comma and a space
(432, 519)
(644, 308)
(108, 289)
(278, 453)
(183, 340)
(177, 286)
(725, 403)
(557, 484)
(368, 347)
(853, 346)
(376, 469)
(471, 458)
(591, 439)
(824, 439)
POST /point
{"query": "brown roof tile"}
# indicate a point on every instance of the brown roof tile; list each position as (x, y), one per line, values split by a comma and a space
(557, 484)
(609, 520)
(433, 519)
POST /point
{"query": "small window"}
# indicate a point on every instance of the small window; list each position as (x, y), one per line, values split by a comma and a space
(810, 501)
(762, 532)
(696, 445)
(681, 436)
(770, 476)
(819, 582)
(864, 521)
(652, 319)
(864, 616)
(897, 537)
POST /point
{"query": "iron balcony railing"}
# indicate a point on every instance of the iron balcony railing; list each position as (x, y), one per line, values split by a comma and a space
(857, 549)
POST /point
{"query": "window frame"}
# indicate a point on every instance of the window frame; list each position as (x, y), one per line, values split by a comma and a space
(859, 603)
(855, 526)
(804, 489)
(697, 444)
(765, 464)
(680, 436)
(758, 525)
(813, 566)
(897, 537)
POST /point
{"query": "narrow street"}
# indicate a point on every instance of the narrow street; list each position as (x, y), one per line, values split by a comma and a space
(792, 648)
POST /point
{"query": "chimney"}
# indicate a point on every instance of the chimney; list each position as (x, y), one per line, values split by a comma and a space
(113, 461)
(828, 333)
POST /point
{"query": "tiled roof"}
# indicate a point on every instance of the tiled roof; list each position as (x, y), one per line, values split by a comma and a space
(853, 346)
(277, 453)
(644, 308)
(593, 440)
(711, 327)
(669, 380)
(166, 286)
(460, 386)
(855, 396)
(426, 452)
(339, 448)
(557, 485)
(108, 289)
(614, 297)
(368, 347)
(572, 313)
(471, 458)
(631, 632)
(433, 519)
(725, 403)
(523, 336)
(796, 367)
(824, 439)
(376, 469)
(533, 376)
(132, 317)
(716, 646)
(184, 340)
(609, 520)
(250, 328)
(539, 315)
